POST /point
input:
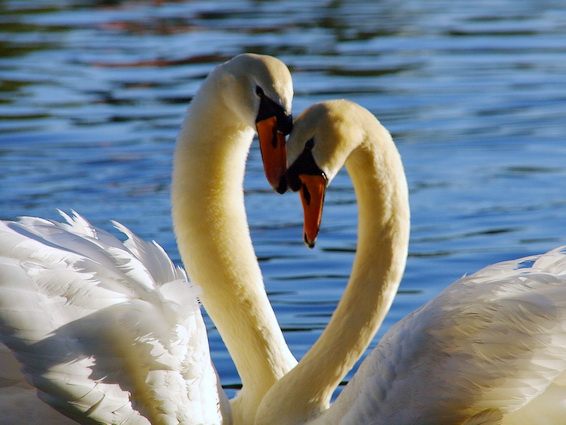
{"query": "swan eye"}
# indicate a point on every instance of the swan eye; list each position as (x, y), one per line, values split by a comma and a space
(259, 91)
(310, 144)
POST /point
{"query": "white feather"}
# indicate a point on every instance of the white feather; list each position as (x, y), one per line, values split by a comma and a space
(108, 332)
(494, 341)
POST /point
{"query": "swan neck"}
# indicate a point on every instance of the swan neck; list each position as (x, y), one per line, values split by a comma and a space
(383, 232)
(215, 245)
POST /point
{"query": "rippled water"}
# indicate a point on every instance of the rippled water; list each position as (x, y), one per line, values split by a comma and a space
(92, 94)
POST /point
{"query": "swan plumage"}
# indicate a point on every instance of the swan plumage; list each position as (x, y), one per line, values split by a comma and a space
(489, 349)
(109, 331)
(494, 341)
(102, 326)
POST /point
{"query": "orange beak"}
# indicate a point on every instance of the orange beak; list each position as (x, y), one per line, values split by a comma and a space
(273, 153)
(313, 188)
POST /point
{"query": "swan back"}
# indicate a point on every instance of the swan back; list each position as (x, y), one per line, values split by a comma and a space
(107, 331)
(492, 342)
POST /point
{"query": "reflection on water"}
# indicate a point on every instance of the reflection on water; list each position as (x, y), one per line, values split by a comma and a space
(92, 94)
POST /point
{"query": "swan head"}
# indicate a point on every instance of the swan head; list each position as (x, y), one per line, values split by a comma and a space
(323, 138)
(259, 90)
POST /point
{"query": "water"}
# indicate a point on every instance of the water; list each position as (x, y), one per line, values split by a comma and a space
(92, 94)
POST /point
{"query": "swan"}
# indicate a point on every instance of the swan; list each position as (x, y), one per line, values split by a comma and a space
(209, 214)
(111, 332)
(489, 349)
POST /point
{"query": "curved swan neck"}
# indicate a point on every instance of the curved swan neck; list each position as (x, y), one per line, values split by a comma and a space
(215, 245)
(383, 233)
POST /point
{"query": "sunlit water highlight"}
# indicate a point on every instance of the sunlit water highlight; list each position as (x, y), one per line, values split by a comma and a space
(92, 94)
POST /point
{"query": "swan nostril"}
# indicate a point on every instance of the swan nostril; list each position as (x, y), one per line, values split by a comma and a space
(306, 194)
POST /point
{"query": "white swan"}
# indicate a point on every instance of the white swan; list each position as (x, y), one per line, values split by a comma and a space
(490, 349)
(110, 332)
(210, 218)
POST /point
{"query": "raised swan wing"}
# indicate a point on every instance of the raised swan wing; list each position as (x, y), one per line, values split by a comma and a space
(107, 331)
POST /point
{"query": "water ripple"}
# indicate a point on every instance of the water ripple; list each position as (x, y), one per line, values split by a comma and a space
(92, 94)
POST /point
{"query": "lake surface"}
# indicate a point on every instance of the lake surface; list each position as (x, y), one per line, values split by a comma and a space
(92, 94)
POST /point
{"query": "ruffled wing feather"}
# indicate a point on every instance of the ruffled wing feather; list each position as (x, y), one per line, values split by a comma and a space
(108, 332)
(490, 344)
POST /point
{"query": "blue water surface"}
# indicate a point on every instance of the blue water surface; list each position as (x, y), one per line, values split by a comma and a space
(92, 94)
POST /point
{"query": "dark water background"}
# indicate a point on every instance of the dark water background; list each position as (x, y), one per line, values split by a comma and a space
(92, 94)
